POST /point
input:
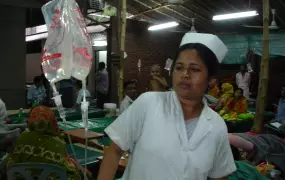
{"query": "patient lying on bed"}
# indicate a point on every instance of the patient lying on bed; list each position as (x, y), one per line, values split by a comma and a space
(261, 148)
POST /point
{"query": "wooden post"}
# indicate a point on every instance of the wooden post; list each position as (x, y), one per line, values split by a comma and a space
(122, 48)
(264, 72)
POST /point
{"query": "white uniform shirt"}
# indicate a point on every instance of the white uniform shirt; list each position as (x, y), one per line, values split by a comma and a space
(243, 82)
(125, 104)
(153, 127)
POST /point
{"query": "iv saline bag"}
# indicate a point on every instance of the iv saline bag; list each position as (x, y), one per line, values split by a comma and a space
(168, 65)
(82, 46)
(82, 62)
(57, 52)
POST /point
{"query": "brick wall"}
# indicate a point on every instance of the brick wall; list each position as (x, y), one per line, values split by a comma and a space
(150, 47)
(156, 47)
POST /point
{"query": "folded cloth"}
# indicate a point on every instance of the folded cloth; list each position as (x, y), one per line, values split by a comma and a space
(267, 147)
(246, 171)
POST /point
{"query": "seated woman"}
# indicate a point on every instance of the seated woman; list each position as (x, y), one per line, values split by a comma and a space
(214, 89)
(227, 92)
(8, 132)
(235, 106)
(43, 144)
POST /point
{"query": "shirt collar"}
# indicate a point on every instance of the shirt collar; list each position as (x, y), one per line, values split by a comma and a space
(203, 126)
(178, 107)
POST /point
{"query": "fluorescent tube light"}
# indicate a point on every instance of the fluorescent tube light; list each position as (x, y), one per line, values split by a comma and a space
(36, 37)
(235, 15)
(163, 26)
(99, 43)
(41, 32)
(36, 30)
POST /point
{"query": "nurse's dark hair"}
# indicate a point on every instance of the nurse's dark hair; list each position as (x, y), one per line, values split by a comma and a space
(208, 57)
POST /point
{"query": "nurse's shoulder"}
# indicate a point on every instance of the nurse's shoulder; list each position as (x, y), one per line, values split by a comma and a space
(218, 124)
(153, 98)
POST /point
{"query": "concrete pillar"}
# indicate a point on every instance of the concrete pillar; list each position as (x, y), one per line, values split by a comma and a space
(13, 56)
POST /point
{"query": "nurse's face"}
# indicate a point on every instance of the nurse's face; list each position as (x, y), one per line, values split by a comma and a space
(190, 75)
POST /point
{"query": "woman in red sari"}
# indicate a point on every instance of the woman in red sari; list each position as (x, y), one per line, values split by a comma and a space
(235, 106)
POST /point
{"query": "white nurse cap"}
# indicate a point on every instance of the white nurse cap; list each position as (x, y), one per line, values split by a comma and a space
(209, 40)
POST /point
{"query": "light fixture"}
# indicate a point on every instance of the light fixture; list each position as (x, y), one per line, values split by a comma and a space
(163, 26)
(98, 15)
(99, 43)
(40, 32)
(235, 15)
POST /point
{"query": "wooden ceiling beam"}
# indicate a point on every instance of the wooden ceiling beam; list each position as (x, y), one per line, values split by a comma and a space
(164, 14)
(152, 9)
(143, 15)
(178, 13)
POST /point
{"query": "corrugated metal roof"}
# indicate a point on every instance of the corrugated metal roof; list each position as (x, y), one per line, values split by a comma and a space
(157, 11)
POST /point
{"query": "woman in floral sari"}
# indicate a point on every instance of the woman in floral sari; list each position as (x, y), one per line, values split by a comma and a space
(227, 94)
(43, 144)
(235, 106)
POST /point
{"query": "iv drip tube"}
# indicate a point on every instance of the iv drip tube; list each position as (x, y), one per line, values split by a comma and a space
(58, 103)
(84, 111)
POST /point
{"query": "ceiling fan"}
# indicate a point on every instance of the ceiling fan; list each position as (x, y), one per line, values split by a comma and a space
(193, 29)
(273, 25)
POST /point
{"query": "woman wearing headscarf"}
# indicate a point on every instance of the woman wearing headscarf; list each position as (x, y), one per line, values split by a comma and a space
(235, 106)
(43, 143)
(227, 94)
(214, 89)
(175, 134)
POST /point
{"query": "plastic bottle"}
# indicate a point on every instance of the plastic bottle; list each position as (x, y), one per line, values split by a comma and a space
(20, 114)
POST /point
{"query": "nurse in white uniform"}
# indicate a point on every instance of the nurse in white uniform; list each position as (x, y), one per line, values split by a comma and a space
(175, 135)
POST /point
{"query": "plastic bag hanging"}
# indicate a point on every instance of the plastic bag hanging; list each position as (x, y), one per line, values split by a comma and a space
(139, 65)
(57, 52)
(168, 65)
(249, 68)
(82, 55)
(82, 62)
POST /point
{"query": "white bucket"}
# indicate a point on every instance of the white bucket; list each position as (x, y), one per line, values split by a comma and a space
(110, 109)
